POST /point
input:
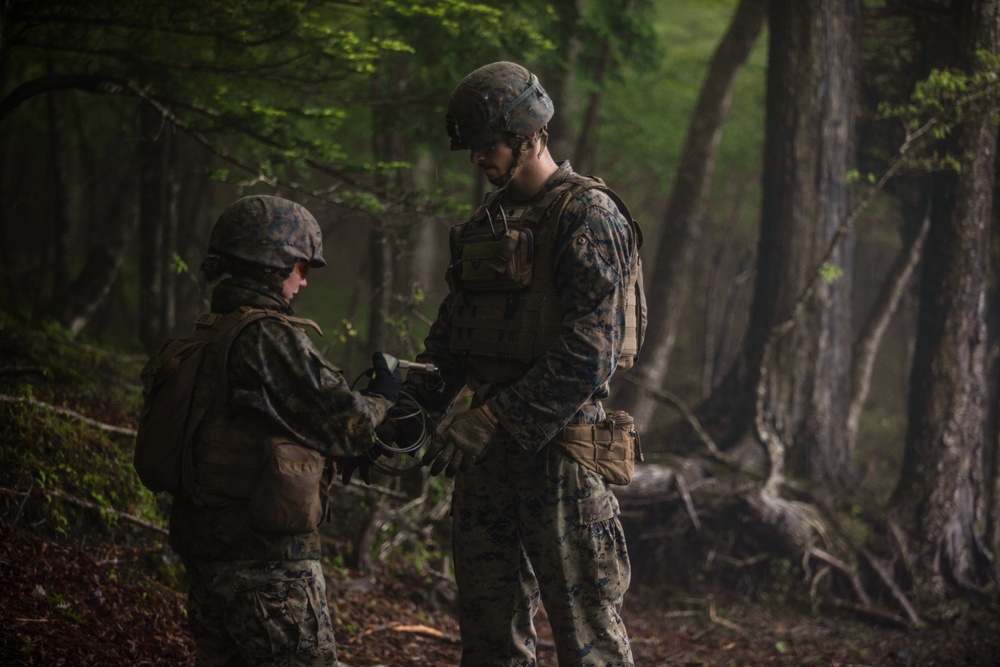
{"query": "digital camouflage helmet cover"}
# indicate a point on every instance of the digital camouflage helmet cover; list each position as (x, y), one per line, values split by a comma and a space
(268, 231)
(496, 98)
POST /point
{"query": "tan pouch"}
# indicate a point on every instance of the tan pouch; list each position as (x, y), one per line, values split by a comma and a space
(609, 448)
(501, 262)
(288, 496)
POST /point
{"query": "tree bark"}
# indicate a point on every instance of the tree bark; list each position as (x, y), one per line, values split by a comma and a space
(59, 164)
(793, 375)
(152, 244)
(386, 272)
(561, 85)
(942, 482)
(666, 289)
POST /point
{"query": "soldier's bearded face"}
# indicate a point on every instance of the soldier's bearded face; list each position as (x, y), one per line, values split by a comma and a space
(495, 157)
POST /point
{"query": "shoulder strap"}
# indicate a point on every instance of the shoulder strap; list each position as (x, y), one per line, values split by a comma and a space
(578, 183)
(218, 331)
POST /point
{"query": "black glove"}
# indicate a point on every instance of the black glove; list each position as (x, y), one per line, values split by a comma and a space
(362, 463)
(411, 423)
(384, 382)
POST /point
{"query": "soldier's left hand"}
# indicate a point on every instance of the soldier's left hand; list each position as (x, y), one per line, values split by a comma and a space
(458, 445)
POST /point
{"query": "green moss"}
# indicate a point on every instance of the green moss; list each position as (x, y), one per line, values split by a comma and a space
(66, 413)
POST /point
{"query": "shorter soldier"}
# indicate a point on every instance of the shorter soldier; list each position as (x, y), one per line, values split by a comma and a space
(245, 521)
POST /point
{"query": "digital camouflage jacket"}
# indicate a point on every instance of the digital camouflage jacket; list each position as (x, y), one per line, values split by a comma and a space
(278, 377)
(593, 248)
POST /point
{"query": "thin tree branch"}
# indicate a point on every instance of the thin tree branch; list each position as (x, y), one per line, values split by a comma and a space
(120, 430)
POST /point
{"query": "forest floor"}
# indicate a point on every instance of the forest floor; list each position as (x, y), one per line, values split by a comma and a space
(82, 585)
(92, 605)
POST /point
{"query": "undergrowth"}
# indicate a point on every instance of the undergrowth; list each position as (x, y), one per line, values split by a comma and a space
(66, 413)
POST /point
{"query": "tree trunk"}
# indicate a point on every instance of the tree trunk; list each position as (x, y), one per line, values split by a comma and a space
(793, 376)
(561, 84)
(386, 272)
(152, 244)
(583, 152)
(942, 482)
(670, 262)
(60, 184)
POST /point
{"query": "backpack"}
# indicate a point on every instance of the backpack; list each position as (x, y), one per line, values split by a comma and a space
(635, 295)
(178, 382)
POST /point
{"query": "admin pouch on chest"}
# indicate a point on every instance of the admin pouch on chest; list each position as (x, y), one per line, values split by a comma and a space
(609, 448)
(212, 462)
(500, 259)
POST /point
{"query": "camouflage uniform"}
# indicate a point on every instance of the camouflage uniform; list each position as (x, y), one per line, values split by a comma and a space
(259, 598)
(526, 511)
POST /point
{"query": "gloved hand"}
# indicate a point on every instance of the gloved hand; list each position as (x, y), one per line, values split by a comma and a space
(411, 423)
(384, 382)
(362, 463)
(459, 445)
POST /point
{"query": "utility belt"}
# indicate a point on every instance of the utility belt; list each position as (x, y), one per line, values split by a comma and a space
(609, 447)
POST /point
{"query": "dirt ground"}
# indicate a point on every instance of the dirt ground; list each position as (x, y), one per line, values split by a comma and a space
(86, 605)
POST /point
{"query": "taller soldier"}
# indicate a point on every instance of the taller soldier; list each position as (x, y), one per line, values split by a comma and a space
(539, 316)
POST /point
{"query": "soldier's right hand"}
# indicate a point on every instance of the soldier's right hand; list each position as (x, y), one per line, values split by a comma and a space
(385, 381)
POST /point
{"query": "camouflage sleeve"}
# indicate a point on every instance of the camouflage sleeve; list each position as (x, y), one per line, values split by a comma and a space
(277, 372)
(592, 272)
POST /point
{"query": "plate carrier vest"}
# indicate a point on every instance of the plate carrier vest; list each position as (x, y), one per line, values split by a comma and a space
(502, 274)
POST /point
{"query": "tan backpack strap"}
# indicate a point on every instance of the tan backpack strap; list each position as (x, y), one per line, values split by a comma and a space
(303, 322)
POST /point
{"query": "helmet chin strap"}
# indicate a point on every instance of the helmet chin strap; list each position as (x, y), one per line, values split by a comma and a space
(518, 145)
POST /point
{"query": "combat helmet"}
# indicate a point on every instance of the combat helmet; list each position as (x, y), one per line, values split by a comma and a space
(499, 97)
(268, 231)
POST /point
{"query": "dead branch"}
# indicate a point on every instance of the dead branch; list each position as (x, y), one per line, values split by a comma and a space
(86, 504)
(876, 615)
(723, 622)
(688, 503)
(24, 370)
(672, 399)
(120, 430)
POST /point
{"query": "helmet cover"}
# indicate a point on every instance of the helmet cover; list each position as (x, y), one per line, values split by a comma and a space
(496, 98)
(269, 231)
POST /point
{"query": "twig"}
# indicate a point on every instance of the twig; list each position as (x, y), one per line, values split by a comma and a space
(897, 592)
(89, 505)
(23, 370)
(688, 503)
(424, 630)
(723, 622)
(20, 507)
(689, 416)
(883, 617)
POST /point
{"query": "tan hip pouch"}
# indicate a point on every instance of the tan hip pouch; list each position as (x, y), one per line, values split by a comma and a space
(609, 448)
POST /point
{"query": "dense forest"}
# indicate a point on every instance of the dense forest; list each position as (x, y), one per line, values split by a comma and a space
(820, 379)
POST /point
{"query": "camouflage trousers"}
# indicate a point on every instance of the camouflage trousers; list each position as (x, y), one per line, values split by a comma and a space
(529, 526)
(260, 613)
